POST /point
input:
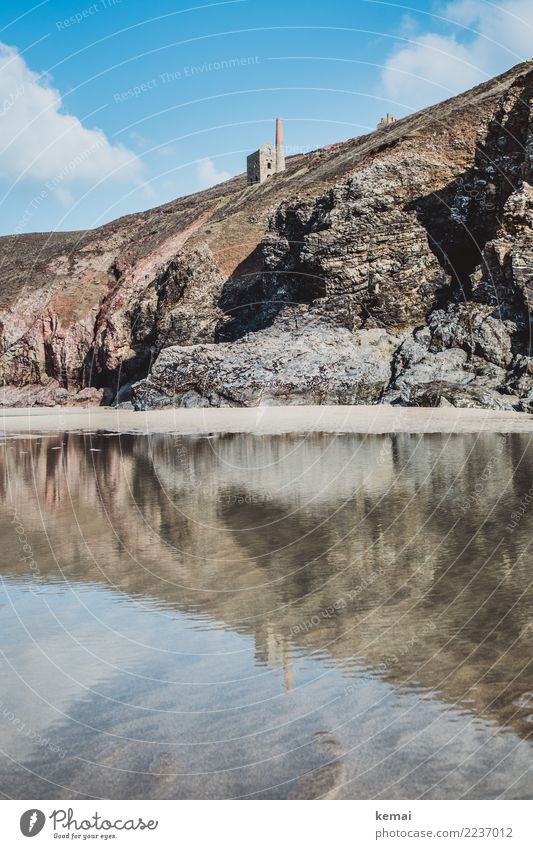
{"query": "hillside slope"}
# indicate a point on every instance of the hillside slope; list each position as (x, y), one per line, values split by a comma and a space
(394, 267)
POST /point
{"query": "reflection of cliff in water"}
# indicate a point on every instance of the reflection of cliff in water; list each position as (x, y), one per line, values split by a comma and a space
(393, 553)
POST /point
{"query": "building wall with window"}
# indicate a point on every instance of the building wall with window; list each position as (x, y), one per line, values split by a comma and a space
(261, 164)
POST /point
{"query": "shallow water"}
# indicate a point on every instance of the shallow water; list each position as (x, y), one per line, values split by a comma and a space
(266, 617)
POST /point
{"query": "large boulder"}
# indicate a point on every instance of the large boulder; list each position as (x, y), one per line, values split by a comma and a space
(314, 363)
(448, 377)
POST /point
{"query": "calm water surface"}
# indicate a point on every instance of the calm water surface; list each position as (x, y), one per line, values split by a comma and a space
(266, 617)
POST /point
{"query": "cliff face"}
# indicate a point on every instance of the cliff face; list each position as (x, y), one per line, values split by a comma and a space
(395, 267)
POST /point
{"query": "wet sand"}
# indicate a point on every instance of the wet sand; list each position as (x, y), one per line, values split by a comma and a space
(277, 617)
(266, 420)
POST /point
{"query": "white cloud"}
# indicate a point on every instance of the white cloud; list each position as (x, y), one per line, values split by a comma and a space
(484, 39)
(166, 150)
(40, 141)
(64, 196)
(208, 174)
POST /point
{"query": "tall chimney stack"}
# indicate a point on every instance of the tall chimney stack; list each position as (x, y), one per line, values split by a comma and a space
(280, 148)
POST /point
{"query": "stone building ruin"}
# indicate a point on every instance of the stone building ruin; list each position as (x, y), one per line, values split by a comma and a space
(268, 160)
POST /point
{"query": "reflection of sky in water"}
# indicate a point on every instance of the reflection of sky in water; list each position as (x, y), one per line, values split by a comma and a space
(323, 618)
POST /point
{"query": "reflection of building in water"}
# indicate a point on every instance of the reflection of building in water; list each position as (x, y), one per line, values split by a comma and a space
(275, 653)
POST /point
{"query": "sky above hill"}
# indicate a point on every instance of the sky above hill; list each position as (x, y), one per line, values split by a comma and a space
(113, 106)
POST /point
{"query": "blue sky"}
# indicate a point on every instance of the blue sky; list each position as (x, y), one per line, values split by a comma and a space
(112, 106)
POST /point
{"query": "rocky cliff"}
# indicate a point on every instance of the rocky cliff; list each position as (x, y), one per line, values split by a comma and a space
(396, 267)
(242, 531)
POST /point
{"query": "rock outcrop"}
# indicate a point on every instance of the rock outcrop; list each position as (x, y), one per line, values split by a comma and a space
(396, 267)
(315, 363)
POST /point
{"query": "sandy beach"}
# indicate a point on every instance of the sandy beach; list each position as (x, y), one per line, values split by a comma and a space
(266, 420)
